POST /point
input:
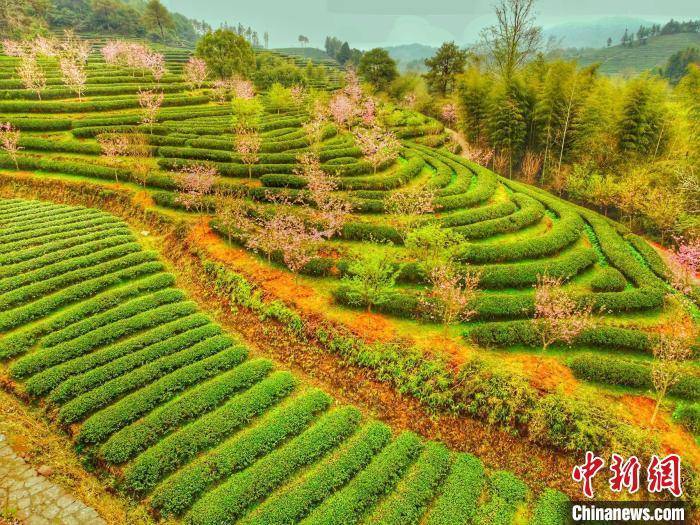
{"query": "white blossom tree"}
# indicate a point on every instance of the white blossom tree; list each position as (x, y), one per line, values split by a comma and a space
(558, 316)
(195, 182)
(9, 141)
(195, 72)
(378, 146)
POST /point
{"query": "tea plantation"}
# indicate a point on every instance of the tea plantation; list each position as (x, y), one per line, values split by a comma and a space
(509, 232)
(154, 390)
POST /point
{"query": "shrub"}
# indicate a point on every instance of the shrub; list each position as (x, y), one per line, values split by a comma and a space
(129, 441)
(621, 372)
(179, 491)
(228, 501)
(206, 359)
(608, 279)
(460, 494)
(348, 504)
(295, 502)
(551, 508)
(688, 414)
(416, 489)
(180, 447)
(51, 378)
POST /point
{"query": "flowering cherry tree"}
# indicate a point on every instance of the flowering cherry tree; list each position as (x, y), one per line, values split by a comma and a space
(451, 295)
(248, 143)
(221, 89)
(195, 72)
(9, 141)
(368, 114)
(243, 89)
(31, 75)
(73, 75)
(150, 102)
(477, 154)
(673, 347)
(287, 233)
(558, 316)
(408, 205)
(113, 146)
(155, 63)
(377, 146)
(111, 52)
(685, 264)
(74, 48)
(232, 214)
(448, 112)
(332, 211)
(297, 94)
(352, 85)
(13, 48)
(342, 109)
(44, 46)
(194, 183)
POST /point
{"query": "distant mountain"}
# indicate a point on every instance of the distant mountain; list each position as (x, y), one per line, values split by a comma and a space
(593, 33)
(618, 59)
(411, 56)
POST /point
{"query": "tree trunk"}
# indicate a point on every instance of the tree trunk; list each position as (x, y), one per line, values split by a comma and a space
(659, 398)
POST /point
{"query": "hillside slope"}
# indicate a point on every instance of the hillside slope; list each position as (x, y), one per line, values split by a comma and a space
(619, 60)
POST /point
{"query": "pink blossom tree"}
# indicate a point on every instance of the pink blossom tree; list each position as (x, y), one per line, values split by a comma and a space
(685, 264)
(297, 94)
(331, 211)
(673, 347)
(150, 102)
(111, 52)
(378, 146)
(289, 234)
(248, 143)
(31, 74)
(243, 89)
(194, 183)
(74, 48)
(450, 299)
(195, 72)
(342, 109)
(45, 46)
(408, 206)
(232, 214)
(9, 141)
(113, 146)
(352, 85)
(448, 112)
(558, 316)
(13, 48)
(155, 63)
(73, 75)
(368, 114)
(221, 90)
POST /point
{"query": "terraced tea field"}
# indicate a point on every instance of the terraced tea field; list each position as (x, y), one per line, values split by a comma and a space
(509, 233)
(156, 394)
(152, 390)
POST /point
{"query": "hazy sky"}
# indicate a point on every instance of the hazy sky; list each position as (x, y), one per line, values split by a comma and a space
(369, 23)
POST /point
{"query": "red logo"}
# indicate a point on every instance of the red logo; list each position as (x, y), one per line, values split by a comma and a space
(585, 473)
(665, 474)
(624, 474)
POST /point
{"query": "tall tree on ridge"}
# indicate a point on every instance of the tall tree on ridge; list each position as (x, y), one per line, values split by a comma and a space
(156, 16)
(444, 66)
(515, 37)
